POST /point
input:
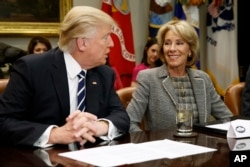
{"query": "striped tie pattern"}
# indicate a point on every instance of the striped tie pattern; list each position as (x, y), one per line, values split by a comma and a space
(81, 91)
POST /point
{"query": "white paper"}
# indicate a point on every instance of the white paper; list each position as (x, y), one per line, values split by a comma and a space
(134, 153)
(239, 128)
(220, 126)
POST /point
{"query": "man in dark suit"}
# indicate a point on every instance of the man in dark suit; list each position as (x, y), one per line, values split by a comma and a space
(39, 105)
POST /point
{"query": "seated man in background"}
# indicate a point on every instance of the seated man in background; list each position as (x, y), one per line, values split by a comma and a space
(8, 55)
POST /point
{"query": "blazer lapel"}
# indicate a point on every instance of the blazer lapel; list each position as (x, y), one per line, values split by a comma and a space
(168, 86)
(197, 84)
(59, 75)
(167, 83)
(199, 93)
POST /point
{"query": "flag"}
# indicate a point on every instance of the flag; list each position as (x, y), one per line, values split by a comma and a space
(122, 55)
(160, 13)
(222, 61)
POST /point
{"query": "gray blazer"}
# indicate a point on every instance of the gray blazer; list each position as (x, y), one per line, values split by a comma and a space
(155, 100)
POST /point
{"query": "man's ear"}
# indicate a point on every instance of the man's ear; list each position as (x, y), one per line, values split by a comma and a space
(81, 43)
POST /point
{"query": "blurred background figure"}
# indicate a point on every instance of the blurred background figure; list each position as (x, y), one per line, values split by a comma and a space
(150, 58)
(118, 82)
(38, 44)
(8, 55)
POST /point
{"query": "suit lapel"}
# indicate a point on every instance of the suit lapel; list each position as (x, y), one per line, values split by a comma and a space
(59, 75)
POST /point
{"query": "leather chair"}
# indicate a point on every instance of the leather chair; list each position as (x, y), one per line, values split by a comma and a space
(3, 84)
(232, 97)
(125, 95)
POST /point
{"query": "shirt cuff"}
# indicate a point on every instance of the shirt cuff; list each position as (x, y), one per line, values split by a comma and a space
(113, 132)
(42, 142)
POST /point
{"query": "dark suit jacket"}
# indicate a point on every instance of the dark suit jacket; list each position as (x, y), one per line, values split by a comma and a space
(38, 96)
(245, 108)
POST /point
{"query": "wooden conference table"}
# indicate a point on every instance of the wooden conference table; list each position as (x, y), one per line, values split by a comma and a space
(25, 157)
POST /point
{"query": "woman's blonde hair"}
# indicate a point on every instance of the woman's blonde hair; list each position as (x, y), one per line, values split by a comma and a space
(187, 32)
(81, 22)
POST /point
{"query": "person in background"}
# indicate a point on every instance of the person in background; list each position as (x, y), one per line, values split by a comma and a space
(118, 82)
(150, 59)
(245, 106)
(39, 106)
(160, 90)
(38, 44)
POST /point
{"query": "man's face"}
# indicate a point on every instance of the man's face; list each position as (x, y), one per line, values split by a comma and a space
(98, 47)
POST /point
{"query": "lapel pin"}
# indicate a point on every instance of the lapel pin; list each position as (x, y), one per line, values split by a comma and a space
(94, 83)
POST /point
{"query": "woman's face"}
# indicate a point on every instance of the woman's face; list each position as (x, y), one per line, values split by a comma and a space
(175, 50)
(153, 54)
(40, 48)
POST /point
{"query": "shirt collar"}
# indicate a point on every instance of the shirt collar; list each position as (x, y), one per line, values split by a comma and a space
(72, 66)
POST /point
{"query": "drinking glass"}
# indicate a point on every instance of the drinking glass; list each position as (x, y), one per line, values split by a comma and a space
(184, 120)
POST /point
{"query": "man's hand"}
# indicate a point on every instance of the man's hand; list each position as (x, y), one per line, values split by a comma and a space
(80, 127)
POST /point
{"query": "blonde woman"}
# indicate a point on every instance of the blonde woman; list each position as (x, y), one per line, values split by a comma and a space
(160, 90)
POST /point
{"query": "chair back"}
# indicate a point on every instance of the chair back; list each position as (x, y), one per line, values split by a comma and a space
(3, 84)
(125, 95)
(232, 97)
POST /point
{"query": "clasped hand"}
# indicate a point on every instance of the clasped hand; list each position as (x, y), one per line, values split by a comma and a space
(80, 127)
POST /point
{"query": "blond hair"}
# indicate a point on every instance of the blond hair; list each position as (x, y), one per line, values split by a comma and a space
(81, 22)
(187, 32)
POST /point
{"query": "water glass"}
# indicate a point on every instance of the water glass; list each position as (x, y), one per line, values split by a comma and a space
(184, 120)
